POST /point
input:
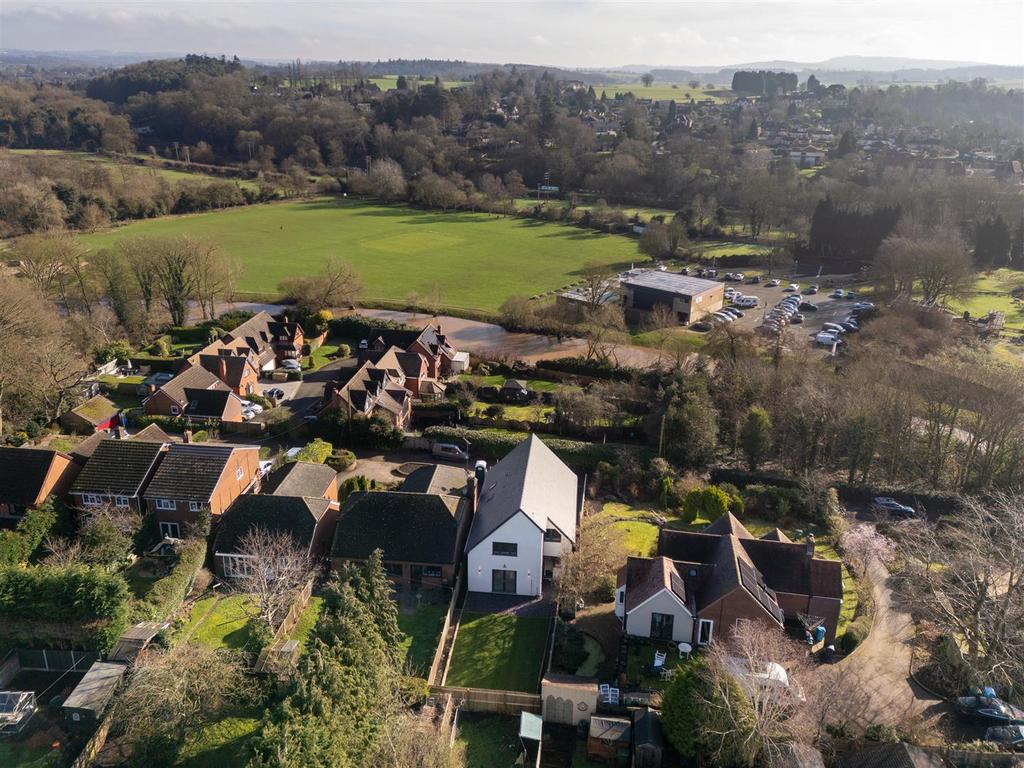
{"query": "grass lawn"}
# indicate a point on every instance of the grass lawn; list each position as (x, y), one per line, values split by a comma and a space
(227, 625)
(304, 626)
(492, 741)
(123, 401)
(499, 652)
(643, 655)
(515, 412)
(992, 294)
(717, 248)
(390, 82)
(325, 353)
(538, 385)
(670, 337)
(25, 756)
(223, 744)
(664, 91)
(113, 381)
(422, 629)
(477, 259)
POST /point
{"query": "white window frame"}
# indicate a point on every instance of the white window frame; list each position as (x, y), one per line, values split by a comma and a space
(166, 505)
(122, 502)
(175, 410)
(700, 628)
(195, 506)
(435, 572)
(170, 530)
(234, 564)
(91, 500)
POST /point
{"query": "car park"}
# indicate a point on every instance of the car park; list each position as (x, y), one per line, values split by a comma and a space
(807, 306)
(893, 508)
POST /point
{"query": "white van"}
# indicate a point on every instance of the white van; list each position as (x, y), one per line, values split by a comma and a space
(747, 302)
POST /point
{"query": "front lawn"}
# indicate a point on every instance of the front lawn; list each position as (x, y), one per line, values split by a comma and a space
(641, 656)
(326, 352)
(422, 628)
(536, 412)
(498, 651)
(492, 741)
(495, 380)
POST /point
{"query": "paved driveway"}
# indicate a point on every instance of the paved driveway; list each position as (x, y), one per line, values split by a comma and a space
(880, 667)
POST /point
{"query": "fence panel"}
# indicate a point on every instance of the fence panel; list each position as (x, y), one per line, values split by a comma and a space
(435, 677)
(486, 700)
(290, 620)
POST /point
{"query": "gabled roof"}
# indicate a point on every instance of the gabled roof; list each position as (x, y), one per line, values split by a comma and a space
(191, 471)
(728, 523)
(151, 434)
(96, 410)
(644, 577)
(256, 327)
(23, 472)
(191, 378)
(437, 478)
(408, 527)
(228, 368)
(532, 480)
(409, 364)
(289, 514)
(118, 467)
(207, 403)
(300, 478)
(891, 756)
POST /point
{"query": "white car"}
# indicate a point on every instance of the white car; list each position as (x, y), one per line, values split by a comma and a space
(792, 287)
(291, 365)
(747, 302)
(827, 339)
(773, 283)
(254, 407)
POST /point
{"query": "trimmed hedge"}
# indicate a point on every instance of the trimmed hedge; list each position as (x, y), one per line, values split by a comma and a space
(358, 327)
(167, 593)
(581, 366)
(79, 594)
(176, 423)
(493, 445)
(856, 632)
(17, 546)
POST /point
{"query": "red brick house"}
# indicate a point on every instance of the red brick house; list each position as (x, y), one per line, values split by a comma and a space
(172, 400)
(374, 391)
(429, 343)
(261, 330)
(29, 475)
(703, 582)
(239, 371)
(195, 478)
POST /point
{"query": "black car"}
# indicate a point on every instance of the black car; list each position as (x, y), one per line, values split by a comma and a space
(850, 327)
(702, 325)
(989, 709)
(754, 280)
(806, 306)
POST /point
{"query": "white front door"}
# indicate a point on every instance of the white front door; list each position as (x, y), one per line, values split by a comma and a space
(705, 628)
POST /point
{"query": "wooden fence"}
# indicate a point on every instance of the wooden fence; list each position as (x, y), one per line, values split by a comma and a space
(94, 745)
(485, 700)
(290, 619)
(439, 666)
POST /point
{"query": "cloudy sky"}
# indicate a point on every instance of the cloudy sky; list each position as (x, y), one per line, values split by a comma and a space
(582, 33)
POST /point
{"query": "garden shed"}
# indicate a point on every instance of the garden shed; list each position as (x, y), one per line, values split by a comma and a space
(568, 699)
(609, 740)
(648, 741)
(85, 705)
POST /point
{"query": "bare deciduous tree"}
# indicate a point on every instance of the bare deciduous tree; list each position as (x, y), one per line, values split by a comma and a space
(277, 568)
(337, 285)
(967, 576)
(863, 543)
(599, 551)
(63, 553)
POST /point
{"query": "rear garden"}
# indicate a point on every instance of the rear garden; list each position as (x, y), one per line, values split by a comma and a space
(499, 651)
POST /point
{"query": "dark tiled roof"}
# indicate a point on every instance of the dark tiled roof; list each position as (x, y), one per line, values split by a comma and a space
(532, 480)
(644, 577)
(22, 473)
(776, 534)
(289, 514)
(191, 378)
(152, 434)
(256, 327)
(787, 568)
(208, 403)
(300, 478)
(727, 523)
(438, 478)
(190, 471)
(118, 467)
(409, 527)
(232, 366)
(891, 756)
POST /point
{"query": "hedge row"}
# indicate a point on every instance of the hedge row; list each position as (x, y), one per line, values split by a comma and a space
(493, 445)
(89, 597)
(929, 501)
(17, 546)
(167, 593)
(176, 423)
(359, 327)
(581, 366)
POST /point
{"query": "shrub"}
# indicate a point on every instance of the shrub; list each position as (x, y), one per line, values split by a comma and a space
(201, 436)
(855, 634)
(344, 350)
(772, 502)
(315, 452)
(294, 375)
(570, 650)
(17, 546)
(341, 460)
(119, 350)
(167, 593)
(161, 347)
(710, 503)
(259, 400)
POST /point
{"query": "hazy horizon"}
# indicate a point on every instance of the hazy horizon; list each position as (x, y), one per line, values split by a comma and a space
(580, 34)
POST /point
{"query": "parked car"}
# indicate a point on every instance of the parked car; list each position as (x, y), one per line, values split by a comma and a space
(806, 306)
(773, 283)
(254, 407)
(1010, 736)
(449, 451)
(792, 287)
(797, 319)
(837, 293)
(724, 316)
(862, 306)
(827, 339)
(850, 327)
(248, 415)
(893, 508)
(747, 302)
(738, 277)
(275, 393)
(291, 365)
(684, 271)
(754, 280)
(701, 325)
(989, 709)
(836, 327)
(851, 294)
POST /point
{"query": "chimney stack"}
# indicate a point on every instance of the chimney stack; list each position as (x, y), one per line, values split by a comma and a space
(810, 545)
